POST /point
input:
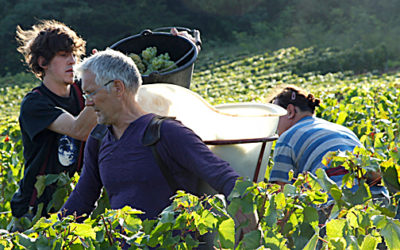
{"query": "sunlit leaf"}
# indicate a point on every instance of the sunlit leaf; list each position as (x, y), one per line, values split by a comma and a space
(335, 228)
(312, 243)
(369, 243)
(342, 117)
(226, 231)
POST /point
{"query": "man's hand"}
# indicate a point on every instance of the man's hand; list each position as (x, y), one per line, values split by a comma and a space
(196, 39)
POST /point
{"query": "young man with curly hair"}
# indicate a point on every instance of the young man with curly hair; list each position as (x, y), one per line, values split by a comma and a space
(53, 119)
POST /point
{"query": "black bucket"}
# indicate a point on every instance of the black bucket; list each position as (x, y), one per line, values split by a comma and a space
(182, 51)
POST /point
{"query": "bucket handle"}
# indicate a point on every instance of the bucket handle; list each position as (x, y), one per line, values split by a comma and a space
(178, 61)
(195, 33)
(178, 28)
(146, 32)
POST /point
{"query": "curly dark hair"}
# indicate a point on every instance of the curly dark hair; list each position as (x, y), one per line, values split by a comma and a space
(298, 97)
(46, 39)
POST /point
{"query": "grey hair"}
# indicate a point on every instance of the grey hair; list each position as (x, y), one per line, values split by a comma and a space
(111, 65)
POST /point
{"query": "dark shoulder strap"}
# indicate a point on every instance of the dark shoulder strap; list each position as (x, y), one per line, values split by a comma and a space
(150, 138)
(81, 106)
(153, 131)
(79, 94)
(36, 90)
(98, 133)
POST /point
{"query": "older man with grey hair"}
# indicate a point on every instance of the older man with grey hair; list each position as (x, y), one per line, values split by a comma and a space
(120, 162)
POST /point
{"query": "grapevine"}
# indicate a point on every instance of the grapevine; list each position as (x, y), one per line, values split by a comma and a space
(295, 217)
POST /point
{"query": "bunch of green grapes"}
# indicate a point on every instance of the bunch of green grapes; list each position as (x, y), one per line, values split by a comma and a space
(138, 61)
(149, 61)
(149, 53)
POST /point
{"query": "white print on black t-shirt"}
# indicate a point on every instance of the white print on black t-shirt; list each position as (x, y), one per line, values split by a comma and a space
(67, 151)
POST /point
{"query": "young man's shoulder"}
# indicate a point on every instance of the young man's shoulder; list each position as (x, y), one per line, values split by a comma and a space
(33, 98)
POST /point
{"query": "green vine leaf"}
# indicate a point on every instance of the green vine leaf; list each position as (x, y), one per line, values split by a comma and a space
(226, 231)
(391, 233)
(40, 185)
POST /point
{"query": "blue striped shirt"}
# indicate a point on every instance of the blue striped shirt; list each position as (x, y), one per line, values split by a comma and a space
(302, 147)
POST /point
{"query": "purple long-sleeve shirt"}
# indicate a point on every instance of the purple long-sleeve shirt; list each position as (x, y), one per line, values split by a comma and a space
(131, 176)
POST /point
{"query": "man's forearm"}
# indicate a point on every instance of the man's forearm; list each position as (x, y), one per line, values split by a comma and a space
(85, 122)
(76, 127)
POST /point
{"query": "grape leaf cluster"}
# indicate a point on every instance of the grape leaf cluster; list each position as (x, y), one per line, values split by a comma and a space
(149, 61)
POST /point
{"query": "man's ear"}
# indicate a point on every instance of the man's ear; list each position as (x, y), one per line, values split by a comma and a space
(291, 111)
(42, 62)
(119, 87)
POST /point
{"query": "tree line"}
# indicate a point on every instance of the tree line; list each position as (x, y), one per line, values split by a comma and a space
(247, 25)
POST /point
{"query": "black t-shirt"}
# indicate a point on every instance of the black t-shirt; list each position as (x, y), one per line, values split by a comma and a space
(45, 151)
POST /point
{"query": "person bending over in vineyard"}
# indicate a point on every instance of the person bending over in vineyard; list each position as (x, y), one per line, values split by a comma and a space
(117, 155)
(304, 140)
(53, 119)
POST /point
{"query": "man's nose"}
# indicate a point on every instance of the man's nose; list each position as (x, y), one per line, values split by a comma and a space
(72, 59)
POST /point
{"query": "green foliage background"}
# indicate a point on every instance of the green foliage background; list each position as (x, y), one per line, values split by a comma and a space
(256, 26)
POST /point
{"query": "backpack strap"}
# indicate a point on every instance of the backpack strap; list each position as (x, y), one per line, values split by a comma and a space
(36, 90)
(153, 131)
(79, 94)
(150, 138)
(98, 133)
(81, 106)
